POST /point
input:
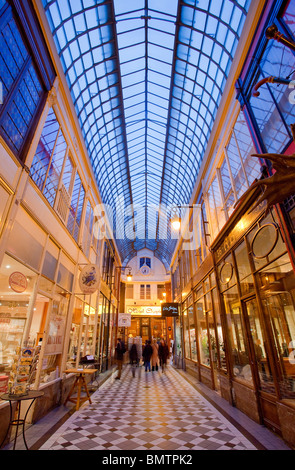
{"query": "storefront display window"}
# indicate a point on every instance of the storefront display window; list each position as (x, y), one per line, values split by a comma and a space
(220, 340)
(202, 331)
(277, 287)
(17, 285)
(192, 333)
(75, 330)
(244, 269)
(266, 382)
(237, 336)
(55, 310)
(186, 335)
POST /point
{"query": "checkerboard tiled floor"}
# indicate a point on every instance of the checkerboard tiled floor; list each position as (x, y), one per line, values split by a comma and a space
(152, 411)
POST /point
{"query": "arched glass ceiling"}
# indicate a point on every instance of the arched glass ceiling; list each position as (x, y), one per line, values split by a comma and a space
(146, 78)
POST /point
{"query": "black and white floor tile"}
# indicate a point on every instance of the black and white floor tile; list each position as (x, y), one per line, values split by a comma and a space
(151, 411)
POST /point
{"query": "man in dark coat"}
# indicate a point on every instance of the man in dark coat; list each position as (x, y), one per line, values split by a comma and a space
(120, 350)
(147, 354)
(163, 353)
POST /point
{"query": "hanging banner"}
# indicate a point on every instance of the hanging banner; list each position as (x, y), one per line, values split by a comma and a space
(89, 279)
(124, 319)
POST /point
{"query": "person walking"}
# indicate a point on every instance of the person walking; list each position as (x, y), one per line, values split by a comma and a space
(155, 356)
(163, 354)
(133, 357)
(147, 354)
(120, 351)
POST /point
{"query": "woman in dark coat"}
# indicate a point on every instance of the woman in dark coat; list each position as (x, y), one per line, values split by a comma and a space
(133, 356)
(163, 354)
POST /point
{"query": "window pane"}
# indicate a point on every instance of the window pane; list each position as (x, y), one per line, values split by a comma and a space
(44, 150)
(238, 345)
(54, 172)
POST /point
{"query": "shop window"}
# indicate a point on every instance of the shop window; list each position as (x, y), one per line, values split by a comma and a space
(237, 336)
(74, 332)
(187, 349)
(277, 288)
(54, 315)
(22, 89)
(244, 269)
(220, 346)
(203, 332)
(192, 333)
(17, 284)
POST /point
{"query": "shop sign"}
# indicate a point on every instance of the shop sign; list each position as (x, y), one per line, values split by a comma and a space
(143, 310)
(18, 282)
(124, 319)
(170, 310)
(89, 279)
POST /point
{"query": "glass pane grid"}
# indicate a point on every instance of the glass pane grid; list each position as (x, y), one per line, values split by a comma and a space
(146, 130)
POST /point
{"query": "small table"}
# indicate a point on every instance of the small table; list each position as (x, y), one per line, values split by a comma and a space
(31, 395)
(79, 382)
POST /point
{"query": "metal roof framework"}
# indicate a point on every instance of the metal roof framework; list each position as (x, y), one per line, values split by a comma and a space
(146, 78)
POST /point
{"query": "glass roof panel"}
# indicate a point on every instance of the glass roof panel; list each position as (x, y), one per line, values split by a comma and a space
(146, 78)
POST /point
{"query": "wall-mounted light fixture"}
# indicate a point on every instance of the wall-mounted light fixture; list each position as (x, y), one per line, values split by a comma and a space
(129, 274)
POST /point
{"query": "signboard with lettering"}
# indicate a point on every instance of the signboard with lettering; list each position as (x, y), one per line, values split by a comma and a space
(170, 310)
(144, 310)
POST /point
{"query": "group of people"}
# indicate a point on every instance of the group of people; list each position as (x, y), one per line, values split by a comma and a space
(154, 356)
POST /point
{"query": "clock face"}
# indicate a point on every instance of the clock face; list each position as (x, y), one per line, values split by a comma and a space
(145, 270)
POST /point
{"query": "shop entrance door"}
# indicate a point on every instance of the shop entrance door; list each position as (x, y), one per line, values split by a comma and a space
(145, 330)
(260, 364)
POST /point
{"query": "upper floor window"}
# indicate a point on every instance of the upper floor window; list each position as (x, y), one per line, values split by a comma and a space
(145, 292)
(56, 176)
(21, 87)
(129, 291)
(272, 112)
(145, 262)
